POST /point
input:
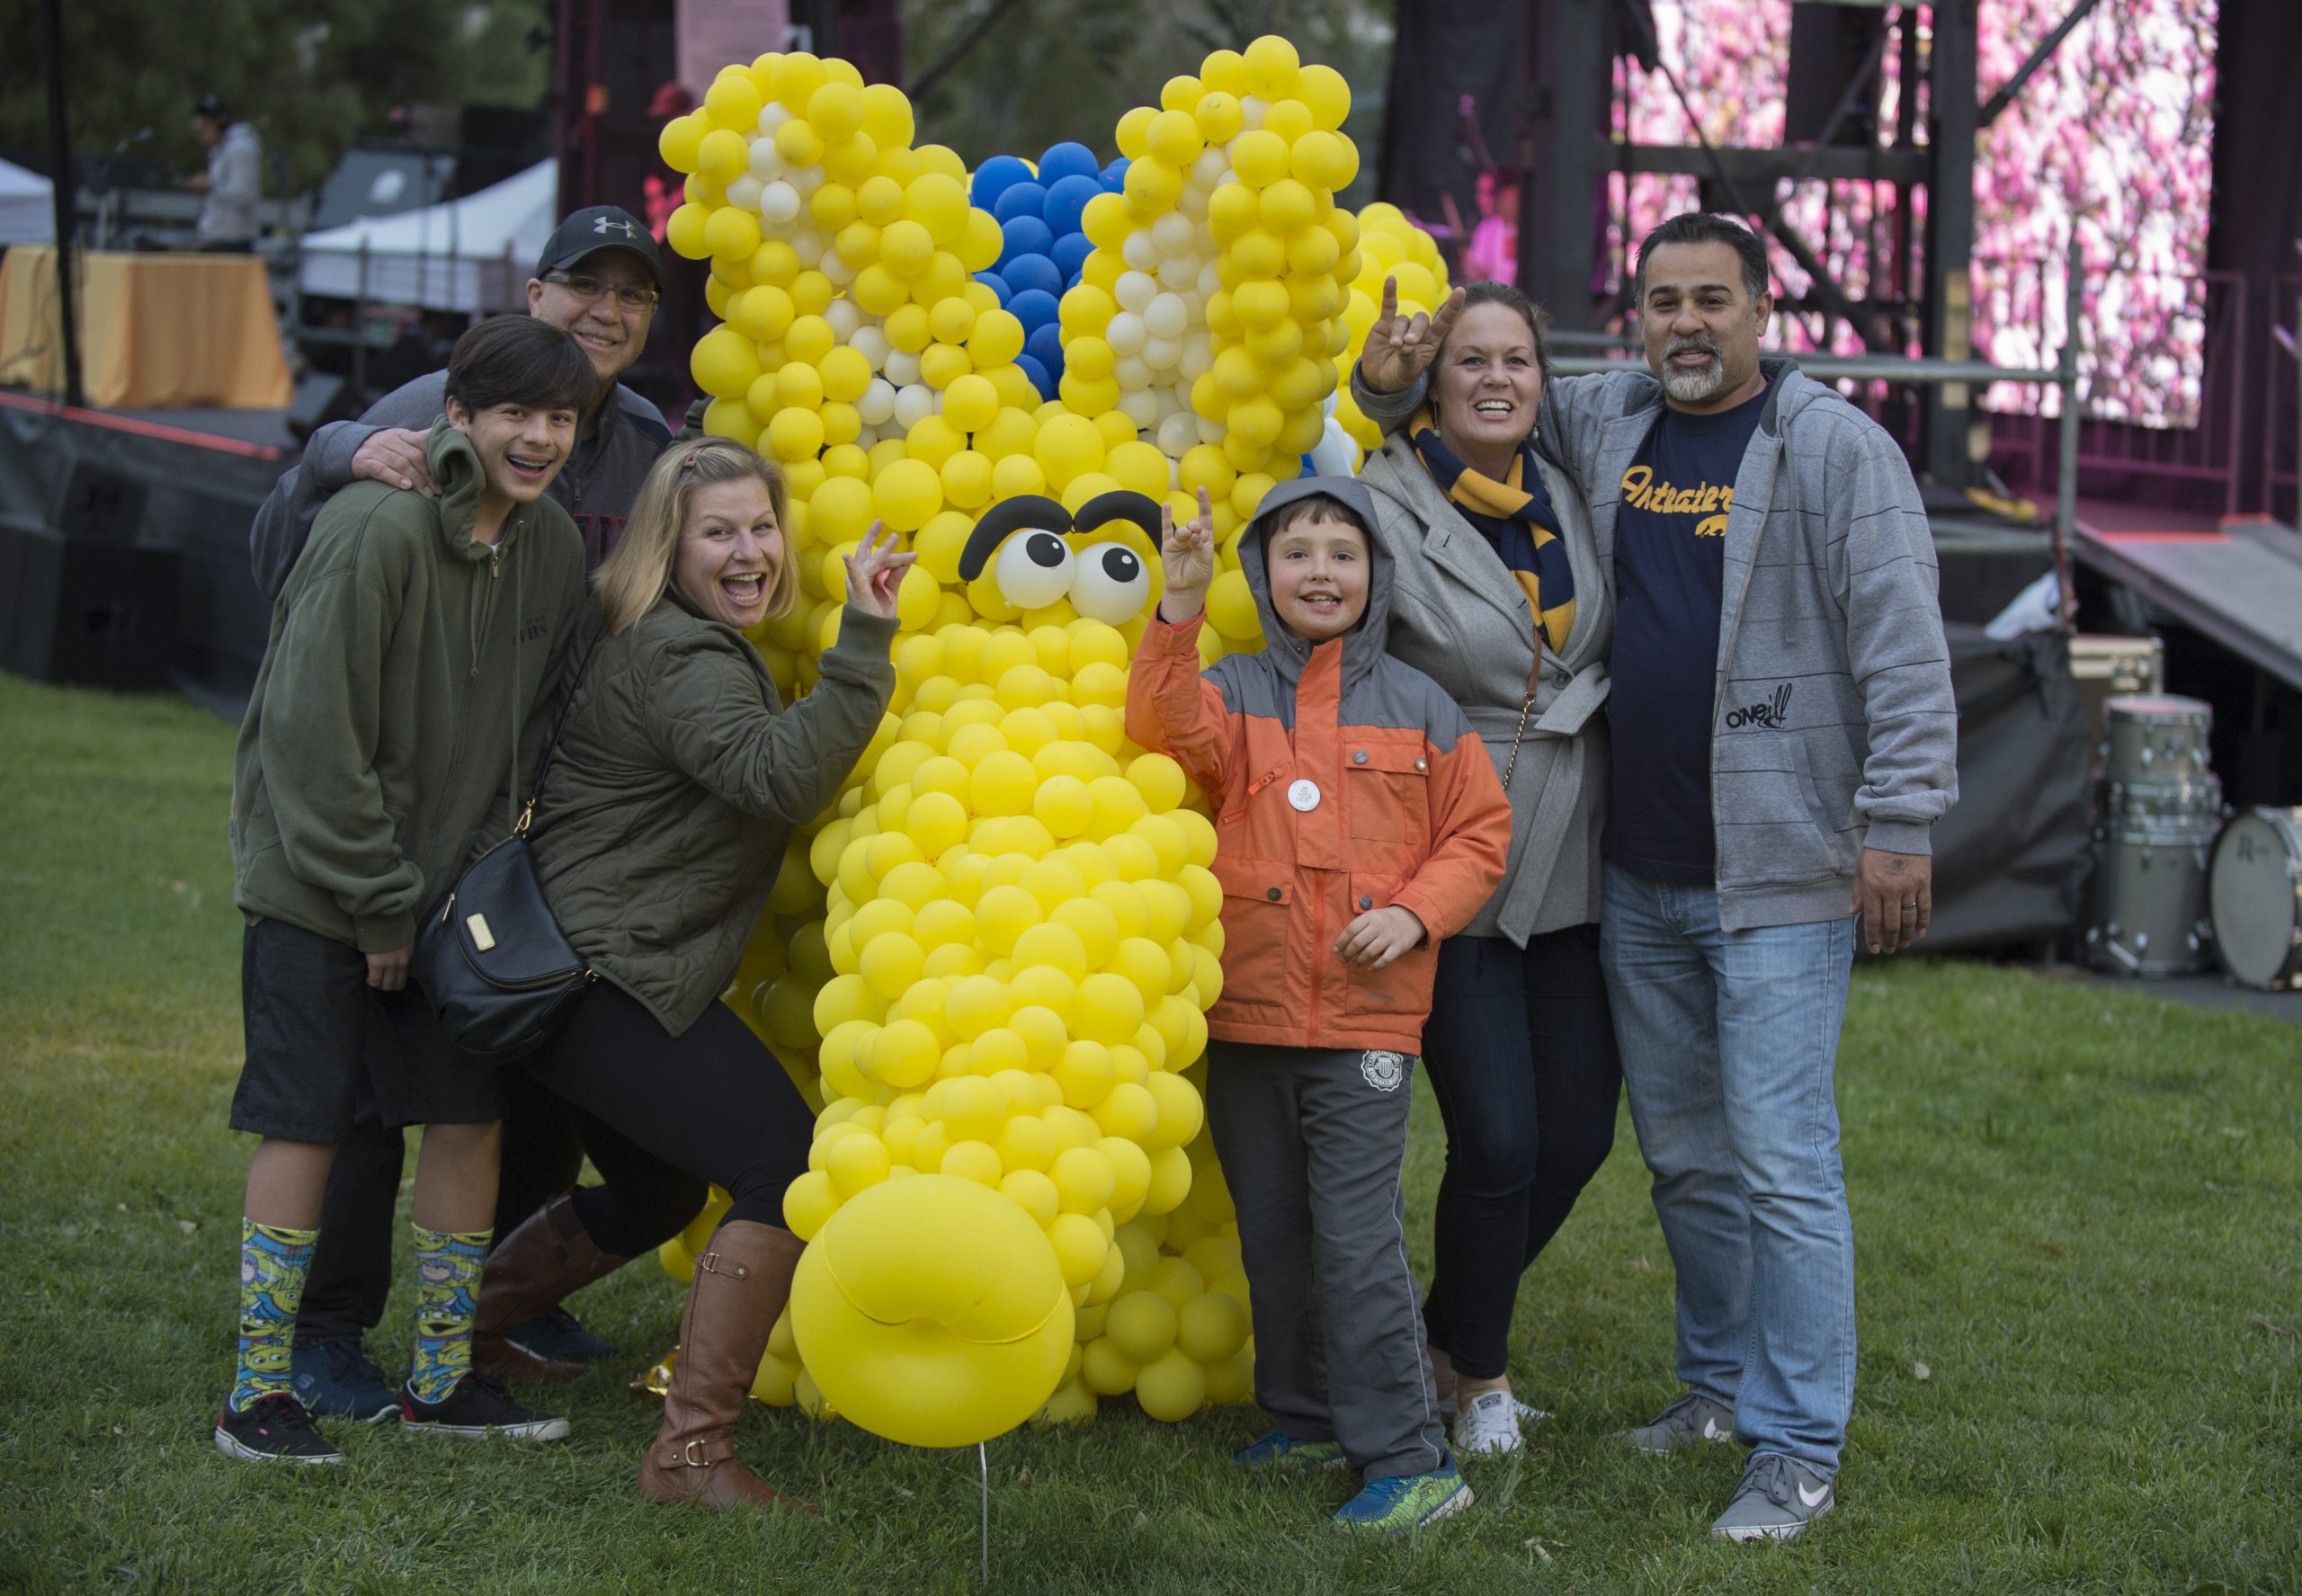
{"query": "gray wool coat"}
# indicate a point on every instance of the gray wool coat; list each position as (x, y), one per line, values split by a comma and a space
(1458, 616)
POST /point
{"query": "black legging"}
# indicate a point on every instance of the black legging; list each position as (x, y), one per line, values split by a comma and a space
(1520, 1048)
(661, 1115)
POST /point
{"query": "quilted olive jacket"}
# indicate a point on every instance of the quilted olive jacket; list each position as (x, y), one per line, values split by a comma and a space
(679, 779)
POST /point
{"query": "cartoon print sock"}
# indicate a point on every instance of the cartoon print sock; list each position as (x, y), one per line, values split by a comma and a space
(447, 1288)
(274, 1260)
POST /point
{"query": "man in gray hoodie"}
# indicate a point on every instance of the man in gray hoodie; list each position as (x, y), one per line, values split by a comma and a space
(1784, 739)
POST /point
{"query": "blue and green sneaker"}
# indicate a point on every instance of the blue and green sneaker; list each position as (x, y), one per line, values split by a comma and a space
(1284, 1451)
(1405, 1501)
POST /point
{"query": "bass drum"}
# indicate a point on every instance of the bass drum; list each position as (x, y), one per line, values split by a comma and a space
(2254, 891)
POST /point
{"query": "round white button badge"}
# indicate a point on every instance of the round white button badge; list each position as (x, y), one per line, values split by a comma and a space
(1304, 795)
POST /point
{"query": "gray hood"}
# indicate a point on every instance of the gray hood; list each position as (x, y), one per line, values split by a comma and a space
(1364, 644)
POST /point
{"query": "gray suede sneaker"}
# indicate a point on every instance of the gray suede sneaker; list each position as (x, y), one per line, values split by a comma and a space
(1688, 1418)
(1776, 1498)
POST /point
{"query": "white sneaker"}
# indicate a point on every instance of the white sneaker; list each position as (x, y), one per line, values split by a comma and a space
(1488, 1426)
(1527, 1415)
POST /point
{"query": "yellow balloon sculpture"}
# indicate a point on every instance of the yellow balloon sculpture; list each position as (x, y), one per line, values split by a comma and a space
(990, 966)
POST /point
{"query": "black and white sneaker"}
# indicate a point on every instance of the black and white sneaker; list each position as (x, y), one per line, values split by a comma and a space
(275, 1430)
(479, 1409)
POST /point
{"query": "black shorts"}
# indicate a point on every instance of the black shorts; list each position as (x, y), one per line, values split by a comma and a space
(315, 1026)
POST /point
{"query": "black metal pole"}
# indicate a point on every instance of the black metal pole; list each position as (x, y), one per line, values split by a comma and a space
(1951, 232)
(66, 191)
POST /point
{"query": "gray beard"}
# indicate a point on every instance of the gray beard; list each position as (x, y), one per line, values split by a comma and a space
(1694, 387)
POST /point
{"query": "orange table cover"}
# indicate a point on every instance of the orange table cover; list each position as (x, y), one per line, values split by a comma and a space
(158, 331)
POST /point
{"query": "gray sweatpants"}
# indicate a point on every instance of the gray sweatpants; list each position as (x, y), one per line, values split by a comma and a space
(1312, 1141)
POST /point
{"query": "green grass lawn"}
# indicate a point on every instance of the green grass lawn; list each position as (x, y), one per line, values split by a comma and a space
(2080, 1278)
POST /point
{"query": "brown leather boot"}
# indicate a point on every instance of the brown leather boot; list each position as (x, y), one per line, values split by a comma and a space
(548, 1258)
(741, 1285)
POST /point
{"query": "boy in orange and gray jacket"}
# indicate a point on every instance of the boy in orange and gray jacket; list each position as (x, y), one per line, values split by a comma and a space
(1359, 821)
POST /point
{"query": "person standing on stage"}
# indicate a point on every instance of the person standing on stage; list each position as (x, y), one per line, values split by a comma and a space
(598, 280)
(233, 183)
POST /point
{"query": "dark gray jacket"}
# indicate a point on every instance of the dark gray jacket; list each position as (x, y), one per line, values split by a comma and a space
(596, 486)
(1833, 728)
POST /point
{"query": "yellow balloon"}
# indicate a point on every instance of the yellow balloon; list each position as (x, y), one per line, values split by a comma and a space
(933, 1312)
(1104, 1370)
(1080, 1247)
(1211, 1327)
(808, 1203)
(1073, 1403)
(1141, 1325)
(1172, 1388)
(906, 494)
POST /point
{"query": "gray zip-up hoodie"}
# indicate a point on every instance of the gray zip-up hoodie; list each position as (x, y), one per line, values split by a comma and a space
(596, 486)
(1833, 727)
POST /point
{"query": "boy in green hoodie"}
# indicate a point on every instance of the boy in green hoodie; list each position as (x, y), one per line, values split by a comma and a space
(404, 692)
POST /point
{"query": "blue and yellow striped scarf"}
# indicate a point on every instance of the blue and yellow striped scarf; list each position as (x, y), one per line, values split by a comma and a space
(1517, 519)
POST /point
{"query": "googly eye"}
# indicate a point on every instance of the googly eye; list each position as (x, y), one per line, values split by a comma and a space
(1112, 584)
(1034, 569)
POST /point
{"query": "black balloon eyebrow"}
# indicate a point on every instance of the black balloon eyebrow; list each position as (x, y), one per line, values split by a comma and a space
(1036, 510)
(1122, 504)
(1006, 517)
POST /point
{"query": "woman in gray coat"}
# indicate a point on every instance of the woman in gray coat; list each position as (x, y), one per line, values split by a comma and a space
(1501, 595)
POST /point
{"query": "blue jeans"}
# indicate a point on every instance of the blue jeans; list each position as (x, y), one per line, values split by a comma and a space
(1728, 1042)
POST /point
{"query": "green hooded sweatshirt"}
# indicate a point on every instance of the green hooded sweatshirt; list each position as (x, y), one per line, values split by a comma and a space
(405, 693)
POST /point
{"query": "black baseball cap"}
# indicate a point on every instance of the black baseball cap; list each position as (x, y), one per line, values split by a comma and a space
(596, 227)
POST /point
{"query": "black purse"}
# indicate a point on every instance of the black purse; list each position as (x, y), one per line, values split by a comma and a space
(490, 958)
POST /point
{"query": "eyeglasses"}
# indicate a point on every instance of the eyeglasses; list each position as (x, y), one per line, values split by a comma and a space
(589, 289)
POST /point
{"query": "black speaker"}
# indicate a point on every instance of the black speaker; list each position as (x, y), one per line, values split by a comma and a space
(97, 504)
(82, 613)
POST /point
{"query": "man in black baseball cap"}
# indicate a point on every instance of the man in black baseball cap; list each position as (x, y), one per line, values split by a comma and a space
(598, 278)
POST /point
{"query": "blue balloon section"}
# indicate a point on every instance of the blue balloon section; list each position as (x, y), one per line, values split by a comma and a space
(1043, 250)
(1035, 307)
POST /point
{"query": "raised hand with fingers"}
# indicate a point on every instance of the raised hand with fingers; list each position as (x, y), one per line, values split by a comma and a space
(875, 570)
(1187, 554)
(1401, 348)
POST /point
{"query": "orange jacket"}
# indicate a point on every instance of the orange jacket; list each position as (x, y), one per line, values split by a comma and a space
(1409, 811)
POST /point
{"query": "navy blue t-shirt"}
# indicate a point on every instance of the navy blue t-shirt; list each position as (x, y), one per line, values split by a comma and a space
(1670, 579)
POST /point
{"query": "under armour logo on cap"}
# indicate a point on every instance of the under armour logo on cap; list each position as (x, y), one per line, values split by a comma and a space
(600, 227)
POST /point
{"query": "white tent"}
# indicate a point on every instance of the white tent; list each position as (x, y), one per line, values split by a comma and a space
(27, 206)
(474, 254)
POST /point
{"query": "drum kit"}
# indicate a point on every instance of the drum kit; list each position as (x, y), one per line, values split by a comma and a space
(2176, 888)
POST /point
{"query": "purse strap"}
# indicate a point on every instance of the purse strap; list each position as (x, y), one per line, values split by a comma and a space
(543, 766)
(1534, 680)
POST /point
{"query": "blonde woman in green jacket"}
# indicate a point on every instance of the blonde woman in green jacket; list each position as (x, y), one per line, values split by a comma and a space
(678, 781)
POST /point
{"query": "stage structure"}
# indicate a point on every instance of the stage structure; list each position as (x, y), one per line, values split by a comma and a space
(1838, 51)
